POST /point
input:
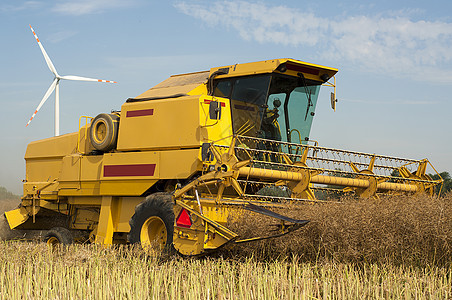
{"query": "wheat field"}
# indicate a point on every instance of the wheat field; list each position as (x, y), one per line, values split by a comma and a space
(389, 248)
(410, 230)
(33, 271)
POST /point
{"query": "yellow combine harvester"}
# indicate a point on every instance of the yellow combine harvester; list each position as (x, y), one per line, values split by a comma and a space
(180, 159)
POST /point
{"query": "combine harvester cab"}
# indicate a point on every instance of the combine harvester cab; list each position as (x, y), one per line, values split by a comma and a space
(180, 160)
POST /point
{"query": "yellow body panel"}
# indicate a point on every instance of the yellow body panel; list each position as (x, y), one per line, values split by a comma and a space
(54, 147)
(179, 164)
(215, 130)
(160, 124)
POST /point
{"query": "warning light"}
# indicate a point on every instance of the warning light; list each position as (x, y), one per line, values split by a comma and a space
(183, 219)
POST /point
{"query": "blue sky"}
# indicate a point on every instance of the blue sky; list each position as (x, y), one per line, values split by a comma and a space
(394, 60)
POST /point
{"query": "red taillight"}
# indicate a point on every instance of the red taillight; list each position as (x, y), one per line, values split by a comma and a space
(183, 219)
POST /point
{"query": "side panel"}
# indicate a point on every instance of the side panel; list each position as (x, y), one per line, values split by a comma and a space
(58, 146)
(215, 130)
(179, 164)
(123, 174)
(160, 124)
(43, 169)
(70, 171)
(80, 175)
(44, 160)
(130, 173)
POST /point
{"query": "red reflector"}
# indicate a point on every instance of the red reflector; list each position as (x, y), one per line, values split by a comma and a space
(183, 220)
(207, 101)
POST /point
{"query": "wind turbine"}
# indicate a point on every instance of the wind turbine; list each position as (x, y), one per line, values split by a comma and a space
(55, 86)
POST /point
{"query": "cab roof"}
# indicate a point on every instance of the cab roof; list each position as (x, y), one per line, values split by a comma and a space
(186, 83)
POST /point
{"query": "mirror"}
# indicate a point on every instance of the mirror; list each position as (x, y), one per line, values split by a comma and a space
(215, 110)
(333, 101)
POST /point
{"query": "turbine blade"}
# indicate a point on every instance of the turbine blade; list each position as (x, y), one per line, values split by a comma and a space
(79, 78)
(46, 57)
(46, 96)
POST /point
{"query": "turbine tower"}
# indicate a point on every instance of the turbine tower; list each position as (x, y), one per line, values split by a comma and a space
(55, 86)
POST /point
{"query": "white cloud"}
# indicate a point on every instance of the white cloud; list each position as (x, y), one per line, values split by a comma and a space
(277, 24)
(83, 7)
(383, 44)
(61, 36)
(20, 6)
(69, 7)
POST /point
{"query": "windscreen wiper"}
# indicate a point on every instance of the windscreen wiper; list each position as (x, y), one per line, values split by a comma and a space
(308, 92)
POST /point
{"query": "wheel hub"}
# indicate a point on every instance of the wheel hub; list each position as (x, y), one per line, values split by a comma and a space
(53, 241)
(153, 233)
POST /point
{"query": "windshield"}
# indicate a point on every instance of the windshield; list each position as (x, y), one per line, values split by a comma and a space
(271, 106)
(293, 117)
(248, 102)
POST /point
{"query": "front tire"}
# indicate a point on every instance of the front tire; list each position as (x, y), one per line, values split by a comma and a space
(152, 225)
(57, 236)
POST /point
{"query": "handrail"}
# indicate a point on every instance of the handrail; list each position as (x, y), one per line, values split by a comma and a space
(87, 122)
